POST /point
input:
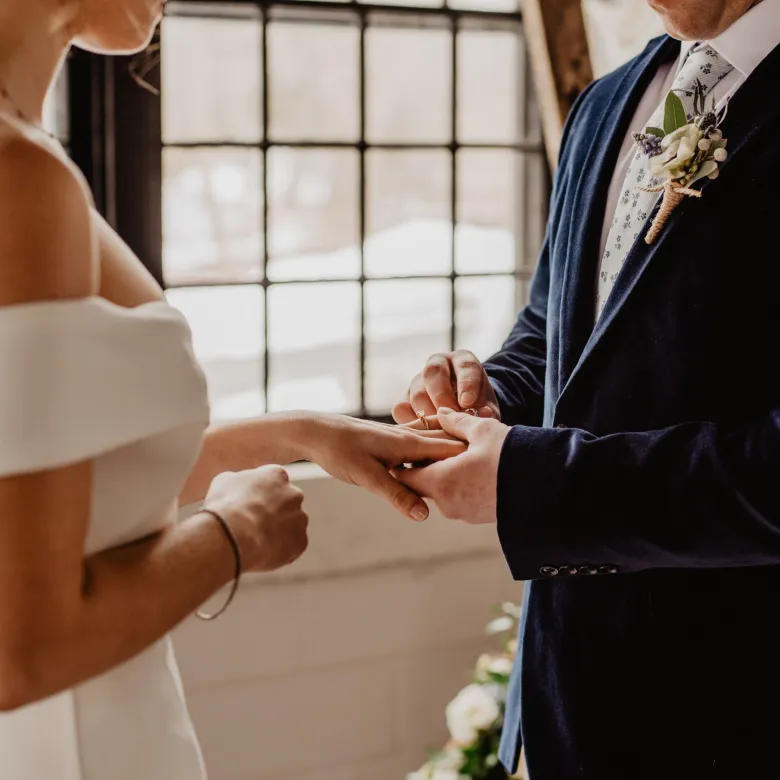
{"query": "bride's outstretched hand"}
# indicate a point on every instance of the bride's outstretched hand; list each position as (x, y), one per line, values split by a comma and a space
(364, 453)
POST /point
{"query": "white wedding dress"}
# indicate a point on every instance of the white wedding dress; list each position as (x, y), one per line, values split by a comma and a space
(81, 380)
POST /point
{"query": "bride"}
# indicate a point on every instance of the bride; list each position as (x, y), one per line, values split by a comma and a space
(103, 434)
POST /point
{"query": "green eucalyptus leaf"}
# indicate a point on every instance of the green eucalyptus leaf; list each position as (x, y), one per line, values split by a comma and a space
(655, 131)
(674, 114)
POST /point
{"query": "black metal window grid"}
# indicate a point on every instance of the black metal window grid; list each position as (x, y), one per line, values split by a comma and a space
(127, 145)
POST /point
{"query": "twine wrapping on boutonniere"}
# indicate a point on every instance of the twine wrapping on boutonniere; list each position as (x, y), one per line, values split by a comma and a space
(686, 149)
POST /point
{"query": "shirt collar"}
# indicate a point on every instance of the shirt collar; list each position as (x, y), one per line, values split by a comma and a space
(749, 40)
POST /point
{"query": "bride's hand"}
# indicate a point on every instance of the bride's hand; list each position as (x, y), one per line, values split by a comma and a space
(363, 453)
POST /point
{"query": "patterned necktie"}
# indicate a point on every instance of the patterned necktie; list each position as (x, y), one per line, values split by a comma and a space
(704, 65)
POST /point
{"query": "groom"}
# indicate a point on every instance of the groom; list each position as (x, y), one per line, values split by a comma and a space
(629, 438)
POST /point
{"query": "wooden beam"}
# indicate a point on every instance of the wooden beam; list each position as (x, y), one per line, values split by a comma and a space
(560, 61)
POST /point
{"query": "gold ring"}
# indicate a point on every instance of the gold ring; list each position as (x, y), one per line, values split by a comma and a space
(421, 417)
(472, 412)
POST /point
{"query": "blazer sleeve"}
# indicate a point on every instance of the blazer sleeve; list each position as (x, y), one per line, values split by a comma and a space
(696, 495)
(517, 372)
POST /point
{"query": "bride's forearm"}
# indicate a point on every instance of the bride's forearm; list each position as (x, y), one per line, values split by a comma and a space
(248, 444)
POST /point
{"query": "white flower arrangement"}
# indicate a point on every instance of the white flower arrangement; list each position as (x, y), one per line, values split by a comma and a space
(685, 150)
(476, 715)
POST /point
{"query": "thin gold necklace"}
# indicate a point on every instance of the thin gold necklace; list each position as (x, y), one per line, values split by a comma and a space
(6, 95)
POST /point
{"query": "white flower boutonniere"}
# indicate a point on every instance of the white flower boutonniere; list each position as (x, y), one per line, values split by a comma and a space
(687, 149)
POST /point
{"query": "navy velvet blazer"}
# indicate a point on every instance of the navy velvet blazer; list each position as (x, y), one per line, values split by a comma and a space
(639, 487)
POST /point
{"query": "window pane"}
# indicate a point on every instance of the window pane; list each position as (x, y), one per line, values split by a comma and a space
(314, 346)
(406, 322)
(212, 215)
(488, 86)
(420, 3)
(227, 330)
(313, 210)
(486, 310)
(506, 6)
(313, 88)
(211, 80)
(488, 211)
(408, 213)
(409, 85)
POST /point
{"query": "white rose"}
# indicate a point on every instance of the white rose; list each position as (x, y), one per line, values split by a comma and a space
(500, 624)
(511, 609)
(471, 711)
(450, 758)
(678, 149)
(496, 691)
(429, 772)
(484, 662)
(500, 665)
(493, 664)
(445, 774)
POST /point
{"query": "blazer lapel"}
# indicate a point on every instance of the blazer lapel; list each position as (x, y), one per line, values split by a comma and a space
(578, 298)
(752, 107)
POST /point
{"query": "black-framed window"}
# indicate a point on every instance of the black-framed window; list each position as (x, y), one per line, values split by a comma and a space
(331, 190)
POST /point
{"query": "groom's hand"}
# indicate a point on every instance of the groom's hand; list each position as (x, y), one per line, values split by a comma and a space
(463, 487)
(456, 380)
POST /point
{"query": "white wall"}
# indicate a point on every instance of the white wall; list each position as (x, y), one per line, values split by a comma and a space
(339, 668)
(618, 30)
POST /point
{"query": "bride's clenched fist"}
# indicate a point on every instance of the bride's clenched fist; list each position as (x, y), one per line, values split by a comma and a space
(265, 512)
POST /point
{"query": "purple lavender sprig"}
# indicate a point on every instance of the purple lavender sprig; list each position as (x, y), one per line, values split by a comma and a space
(648, 144)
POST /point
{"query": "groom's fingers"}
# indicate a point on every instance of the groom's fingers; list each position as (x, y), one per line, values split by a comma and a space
(403, 414)
(382, 483)
(459, 424)
(430, 446)
(422, 481)
(439, 382)
(420, 397)
(431, 424)
(470, 378)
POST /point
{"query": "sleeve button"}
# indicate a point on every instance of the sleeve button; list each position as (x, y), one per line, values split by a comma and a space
(587, 570)
(548, 571)
(566, 569)
(607, 569)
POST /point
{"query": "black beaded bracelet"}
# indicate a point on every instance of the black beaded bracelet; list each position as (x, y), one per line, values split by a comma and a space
(231, 537)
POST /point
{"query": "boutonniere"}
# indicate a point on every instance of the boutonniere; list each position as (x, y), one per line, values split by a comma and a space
(686, 149)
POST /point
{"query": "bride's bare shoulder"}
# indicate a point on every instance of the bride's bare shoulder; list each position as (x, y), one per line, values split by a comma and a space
(47, 244)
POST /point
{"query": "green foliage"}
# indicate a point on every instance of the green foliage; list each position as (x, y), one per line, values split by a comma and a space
(479, 759)
(674, 114)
